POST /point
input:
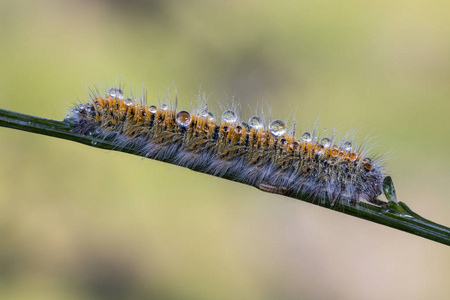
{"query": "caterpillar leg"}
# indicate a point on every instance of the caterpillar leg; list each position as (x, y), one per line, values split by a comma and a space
(281, 190)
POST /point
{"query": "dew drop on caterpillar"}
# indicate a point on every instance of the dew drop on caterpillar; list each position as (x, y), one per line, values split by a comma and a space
(262, 155)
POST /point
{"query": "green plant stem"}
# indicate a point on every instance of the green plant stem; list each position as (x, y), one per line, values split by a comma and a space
(395, 215)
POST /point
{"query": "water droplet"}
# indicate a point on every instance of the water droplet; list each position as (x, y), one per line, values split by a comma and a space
(325, 142)
(306, 137)
(347, 146)
(246, 126)
(352, 156)
(277, 128)
(204, 113)
(256, 122)
(283, 142)
(128, 102)
(183, 118)
(229, 116)
(94, 143)
(116, 92)
(238, 129)
(210, 116)
(164, 106)
(152, 109)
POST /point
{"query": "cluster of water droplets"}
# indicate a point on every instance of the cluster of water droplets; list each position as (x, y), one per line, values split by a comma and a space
(277, 127)
(325, 142)
(184, 117)
(207, 114)
(116, 92)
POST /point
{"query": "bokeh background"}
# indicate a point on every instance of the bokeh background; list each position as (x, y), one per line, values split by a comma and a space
(82, 223)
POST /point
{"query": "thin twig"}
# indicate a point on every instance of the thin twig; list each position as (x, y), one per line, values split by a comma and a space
(395, 215)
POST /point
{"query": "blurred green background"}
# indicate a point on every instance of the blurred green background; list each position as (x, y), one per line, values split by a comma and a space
(81, 223)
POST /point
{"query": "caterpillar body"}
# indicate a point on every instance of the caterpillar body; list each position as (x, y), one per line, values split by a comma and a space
(268, 157)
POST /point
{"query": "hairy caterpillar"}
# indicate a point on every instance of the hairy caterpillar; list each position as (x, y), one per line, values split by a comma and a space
(266, 156)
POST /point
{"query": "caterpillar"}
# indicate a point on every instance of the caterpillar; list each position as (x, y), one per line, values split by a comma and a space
(266, 156)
